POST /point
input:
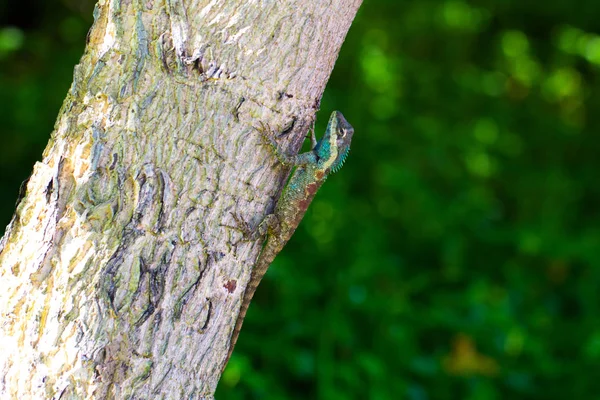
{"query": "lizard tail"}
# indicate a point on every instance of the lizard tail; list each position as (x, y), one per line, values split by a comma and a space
(248, 294)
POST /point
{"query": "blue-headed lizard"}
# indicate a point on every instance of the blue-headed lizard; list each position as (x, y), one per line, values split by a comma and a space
(312, 168)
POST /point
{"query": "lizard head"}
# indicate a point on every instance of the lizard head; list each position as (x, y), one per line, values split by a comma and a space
(334, 146)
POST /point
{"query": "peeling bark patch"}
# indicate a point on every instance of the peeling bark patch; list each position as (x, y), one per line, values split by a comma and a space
(159, 384)
(22, 191)
(15, 269)
(157, 284)
(281, 94)
(48, 191)
(64, 175)
(197, 66)
(157, 321)
(109, 281)
(145, 315)
(288, 127)
(114, 161)
(187, 295)
(236, 109)
(166, 52)
(149, 209)
(208, 315)
(217, 256)
(179, 25)
(230, 285)
(101, 187)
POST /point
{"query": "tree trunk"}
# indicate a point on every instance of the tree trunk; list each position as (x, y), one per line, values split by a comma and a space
(121, 274)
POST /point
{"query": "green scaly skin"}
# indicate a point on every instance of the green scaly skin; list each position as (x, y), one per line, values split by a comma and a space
(312, 168)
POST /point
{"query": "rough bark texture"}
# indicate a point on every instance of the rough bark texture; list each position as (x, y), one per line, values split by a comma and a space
(120, 276)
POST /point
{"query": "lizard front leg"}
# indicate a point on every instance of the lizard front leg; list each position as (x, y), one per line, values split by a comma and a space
(297, 160)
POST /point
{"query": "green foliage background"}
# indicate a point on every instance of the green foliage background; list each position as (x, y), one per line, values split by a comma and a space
(456, 255)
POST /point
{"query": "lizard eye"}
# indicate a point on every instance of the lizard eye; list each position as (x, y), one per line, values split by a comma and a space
(342, 134)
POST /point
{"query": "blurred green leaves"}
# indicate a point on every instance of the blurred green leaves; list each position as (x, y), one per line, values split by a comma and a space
(461, 17)
(381, 73)
(11, 39)
(577, 42)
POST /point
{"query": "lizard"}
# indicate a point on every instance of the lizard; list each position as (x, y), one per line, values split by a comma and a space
(311, 170)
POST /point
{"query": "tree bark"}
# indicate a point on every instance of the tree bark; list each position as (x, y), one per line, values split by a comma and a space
(120, 274)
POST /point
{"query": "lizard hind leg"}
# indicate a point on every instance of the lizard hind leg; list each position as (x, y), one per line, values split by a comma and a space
(269, 225)
(249, 234)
